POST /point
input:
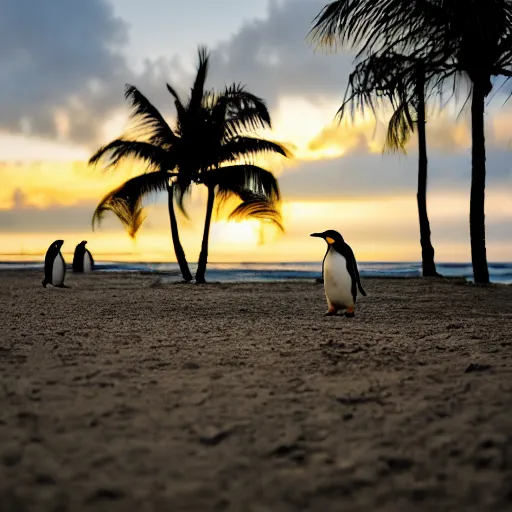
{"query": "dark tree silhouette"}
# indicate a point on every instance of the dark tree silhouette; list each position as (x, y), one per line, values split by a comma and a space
(401, 82)
(226, 123)
(158, 146)
(480, 33)
(472, 39)
(213, 144)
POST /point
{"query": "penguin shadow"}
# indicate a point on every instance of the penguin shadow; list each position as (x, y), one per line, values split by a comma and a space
(341, 314)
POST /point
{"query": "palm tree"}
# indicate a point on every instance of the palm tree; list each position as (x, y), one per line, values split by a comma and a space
(400, 81)
(482, 33)
(224, 121)
(473, 39)
(210, 145)
(158, 148)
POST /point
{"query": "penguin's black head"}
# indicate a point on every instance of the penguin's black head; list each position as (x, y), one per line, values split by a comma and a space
(58, 243)
(330, 236)
(83, 242)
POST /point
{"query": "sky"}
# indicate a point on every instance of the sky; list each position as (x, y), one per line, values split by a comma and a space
(63, 68)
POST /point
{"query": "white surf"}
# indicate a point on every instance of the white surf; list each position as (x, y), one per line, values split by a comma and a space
(337, 281)
(58, 271)
(87, 262)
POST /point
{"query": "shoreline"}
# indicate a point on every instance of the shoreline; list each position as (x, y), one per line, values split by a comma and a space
(176, 275)
(121, 393)
(280, 272)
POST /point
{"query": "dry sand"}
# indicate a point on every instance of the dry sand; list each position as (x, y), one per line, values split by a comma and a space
(123, 394)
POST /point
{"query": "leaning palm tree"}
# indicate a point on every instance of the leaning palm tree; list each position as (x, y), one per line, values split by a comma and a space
(401, 82)
(153, 142)
(459, 37)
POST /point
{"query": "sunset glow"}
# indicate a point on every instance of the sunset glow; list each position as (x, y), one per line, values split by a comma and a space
(338, 177)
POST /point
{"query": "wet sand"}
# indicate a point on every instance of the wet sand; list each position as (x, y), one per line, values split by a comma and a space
(123, 394)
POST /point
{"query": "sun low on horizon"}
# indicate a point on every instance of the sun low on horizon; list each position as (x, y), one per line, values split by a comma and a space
(338, 177)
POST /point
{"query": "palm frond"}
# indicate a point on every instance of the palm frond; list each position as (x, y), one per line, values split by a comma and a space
(239, 111)
(181, 111)
(148, 120)
(131, 215)
(382, 78)
(250, 119)
(368, 24)
(248, 147)
(182, 189)
(233, 179)
(197, 92)
(126, 200)
(119, 149)
(400, 127)
(256, 206)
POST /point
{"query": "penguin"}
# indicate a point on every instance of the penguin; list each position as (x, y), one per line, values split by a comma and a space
(340, 274)
(82, 259)
(54, 266)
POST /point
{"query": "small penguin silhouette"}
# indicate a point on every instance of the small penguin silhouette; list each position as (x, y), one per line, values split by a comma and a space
(82, 259)
(54, 266)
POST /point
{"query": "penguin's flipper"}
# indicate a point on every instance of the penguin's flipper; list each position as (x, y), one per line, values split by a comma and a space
(323, 262)
(356, 273)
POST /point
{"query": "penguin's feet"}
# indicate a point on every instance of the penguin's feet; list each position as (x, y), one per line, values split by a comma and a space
(331, 311)
(350, 313)
(43, 283)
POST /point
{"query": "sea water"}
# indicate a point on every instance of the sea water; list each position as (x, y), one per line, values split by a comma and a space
(300, 271)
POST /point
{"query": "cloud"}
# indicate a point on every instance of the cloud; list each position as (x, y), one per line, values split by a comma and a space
(274, 59)
(361, 173)
(58, 54)
(63, 70)
(31, 219)
(342, 138)
(444, 135)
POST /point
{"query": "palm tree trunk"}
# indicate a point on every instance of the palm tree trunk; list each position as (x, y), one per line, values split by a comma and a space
(203, 256)
(477, 202)
(427, 250)
(178, 249)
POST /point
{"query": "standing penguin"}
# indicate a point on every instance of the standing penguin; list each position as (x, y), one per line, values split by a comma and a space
(82, 259)
(54, 266)
(340, 274)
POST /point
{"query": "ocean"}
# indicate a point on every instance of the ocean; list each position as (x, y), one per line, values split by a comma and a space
(300, 271)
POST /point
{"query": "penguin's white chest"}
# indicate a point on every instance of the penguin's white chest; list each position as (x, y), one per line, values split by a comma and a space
(87, 262)
(58, 271)
(337, 280)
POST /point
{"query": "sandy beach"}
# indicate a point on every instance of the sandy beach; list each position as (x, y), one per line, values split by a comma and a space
(122, 393)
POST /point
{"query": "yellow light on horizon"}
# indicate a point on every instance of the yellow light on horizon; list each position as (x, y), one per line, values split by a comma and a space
(243, 233)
